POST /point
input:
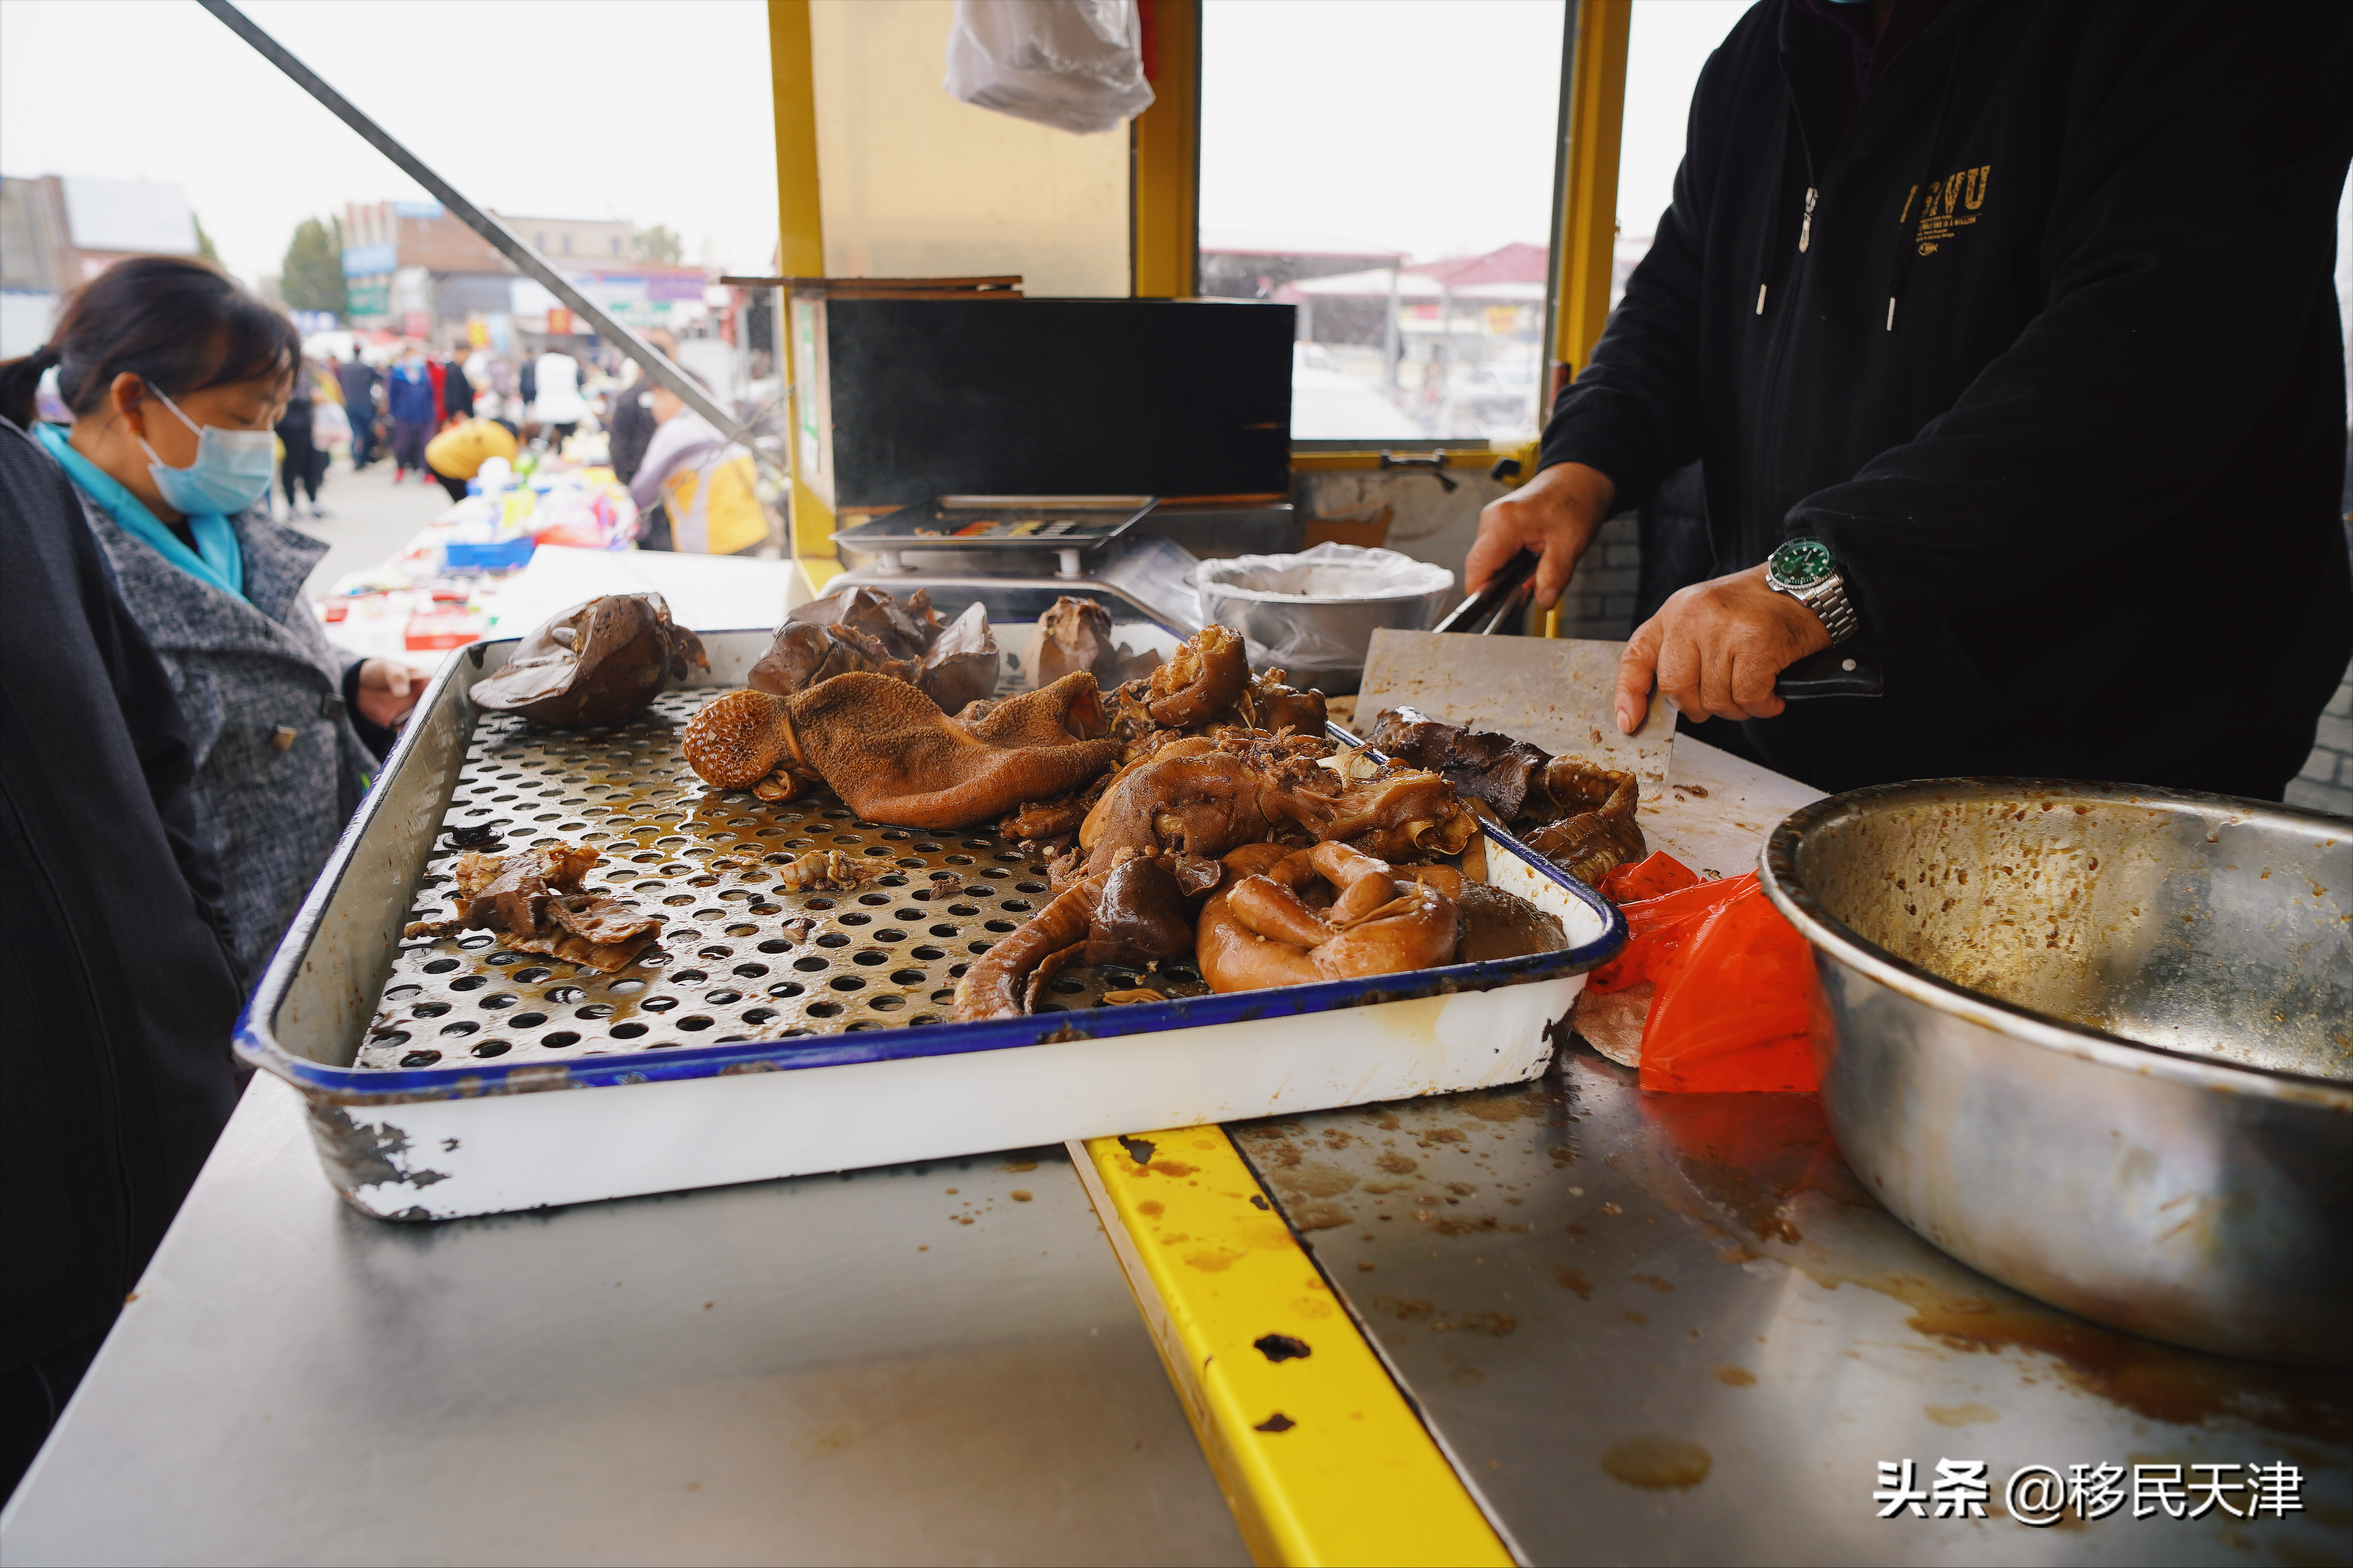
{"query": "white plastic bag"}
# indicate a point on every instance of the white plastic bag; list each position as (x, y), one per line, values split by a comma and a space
(1075, 65)
(1314, 615)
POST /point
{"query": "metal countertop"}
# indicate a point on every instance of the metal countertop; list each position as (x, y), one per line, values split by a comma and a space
(829, 1370)
(1672, 1327)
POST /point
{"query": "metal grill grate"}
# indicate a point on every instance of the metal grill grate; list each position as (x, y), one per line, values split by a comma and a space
(885, 954)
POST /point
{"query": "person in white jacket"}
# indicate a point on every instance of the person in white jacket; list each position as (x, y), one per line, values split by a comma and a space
(559, 407)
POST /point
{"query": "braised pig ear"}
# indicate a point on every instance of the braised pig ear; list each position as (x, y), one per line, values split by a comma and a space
(1074, 634)
(593, 664)
(961, 667)
(803, 654)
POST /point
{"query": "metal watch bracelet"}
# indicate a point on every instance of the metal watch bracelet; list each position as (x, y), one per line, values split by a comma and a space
(1829, 602)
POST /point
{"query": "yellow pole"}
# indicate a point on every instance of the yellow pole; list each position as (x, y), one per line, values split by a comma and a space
(1585, 248)
(800, 223)
(1164, 158)
(801, 249)
(1582, 250)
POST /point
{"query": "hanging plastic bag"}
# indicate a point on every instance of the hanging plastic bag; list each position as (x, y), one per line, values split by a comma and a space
(1075, 65)
(1728, 980)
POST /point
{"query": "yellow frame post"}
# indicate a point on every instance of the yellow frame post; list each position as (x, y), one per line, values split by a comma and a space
(1318, 1454)
(1584, 249)
(800, 251)
(1164, 160)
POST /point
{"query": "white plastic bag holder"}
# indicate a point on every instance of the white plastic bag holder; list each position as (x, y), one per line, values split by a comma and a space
(1075, 65)
(1312, 615)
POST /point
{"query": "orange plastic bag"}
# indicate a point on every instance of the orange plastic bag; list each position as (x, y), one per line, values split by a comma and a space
(1731, 978)
(1657, 927)
(1659, 875)
(1732, 1018)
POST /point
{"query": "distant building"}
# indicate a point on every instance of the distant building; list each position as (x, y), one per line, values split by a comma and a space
(591, 241)
(1251, 265)
(58, 232)
(413, 268)
(409, 265)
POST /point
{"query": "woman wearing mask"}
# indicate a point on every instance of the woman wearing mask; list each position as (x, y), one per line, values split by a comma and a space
(175, 378)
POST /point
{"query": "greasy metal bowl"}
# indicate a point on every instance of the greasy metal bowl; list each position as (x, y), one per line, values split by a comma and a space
(2097, 1042)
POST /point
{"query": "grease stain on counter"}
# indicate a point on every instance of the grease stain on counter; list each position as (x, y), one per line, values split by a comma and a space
(1657, 1461)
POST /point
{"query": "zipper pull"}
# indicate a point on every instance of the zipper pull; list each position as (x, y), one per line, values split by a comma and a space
(1806, 229)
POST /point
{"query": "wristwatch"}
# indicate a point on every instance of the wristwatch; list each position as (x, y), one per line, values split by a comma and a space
(1805, 570)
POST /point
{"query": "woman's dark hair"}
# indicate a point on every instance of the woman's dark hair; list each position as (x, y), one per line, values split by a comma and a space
(176, 324)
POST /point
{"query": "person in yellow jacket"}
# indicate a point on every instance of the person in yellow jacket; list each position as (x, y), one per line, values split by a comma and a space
(457, 454)
(703, 485)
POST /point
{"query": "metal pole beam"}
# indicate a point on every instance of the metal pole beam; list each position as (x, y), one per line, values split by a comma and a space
(506, 240)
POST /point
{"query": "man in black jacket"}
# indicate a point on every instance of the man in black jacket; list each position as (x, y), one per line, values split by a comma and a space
(2007, 333)
(359, 381)
(115, 1072)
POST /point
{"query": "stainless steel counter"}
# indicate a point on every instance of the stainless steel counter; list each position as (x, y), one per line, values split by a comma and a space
(827, 1370)
(1671, 1329)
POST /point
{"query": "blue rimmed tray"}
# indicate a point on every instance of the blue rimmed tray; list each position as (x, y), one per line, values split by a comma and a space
(815, 1084)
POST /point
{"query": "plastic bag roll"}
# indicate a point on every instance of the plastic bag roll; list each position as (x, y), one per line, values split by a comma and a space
(1314, 613)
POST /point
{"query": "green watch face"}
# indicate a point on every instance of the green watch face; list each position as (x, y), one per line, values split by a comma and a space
(1802, 563)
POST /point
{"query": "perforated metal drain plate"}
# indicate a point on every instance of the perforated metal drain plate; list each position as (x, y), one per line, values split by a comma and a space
(885, 954)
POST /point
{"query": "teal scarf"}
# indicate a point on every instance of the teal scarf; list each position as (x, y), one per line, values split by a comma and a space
(221, 561)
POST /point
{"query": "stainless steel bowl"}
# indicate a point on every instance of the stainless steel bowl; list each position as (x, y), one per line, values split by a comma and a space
(1317, 641)
(2097, 1042)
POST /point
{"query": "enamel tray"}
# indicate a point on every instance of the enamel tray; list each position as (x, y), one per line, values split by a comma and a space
(444, 1080)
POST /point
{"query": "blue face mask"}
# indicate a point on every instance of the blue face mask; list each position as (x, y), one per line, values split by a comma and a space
(231, 471)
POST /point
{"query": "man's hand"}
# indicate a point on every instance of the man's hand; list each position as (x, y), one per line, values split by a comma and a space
(1556, 513)
(1715, 649)
(388, 690)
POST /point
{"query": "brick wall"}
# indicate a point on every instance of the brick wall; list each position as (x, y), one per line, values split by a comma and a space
(1599, 602)
(2326, 782)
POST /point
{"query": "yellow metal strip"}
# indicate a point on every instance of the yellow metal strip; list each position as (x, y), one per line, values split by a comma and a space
(1345, 462)
(1165, 159)
(817, 571)
(1582, 250)
(1319, 1454)
(800, 237)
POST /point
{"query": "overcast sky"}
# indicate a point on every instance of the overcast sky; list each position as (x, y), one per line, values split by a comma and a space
(658, 113)
(1426, 124)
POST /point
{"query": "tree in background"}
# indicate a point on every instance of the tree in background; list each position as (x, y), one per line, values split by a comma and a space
(660, 243)
(311, 278)
(204, 251)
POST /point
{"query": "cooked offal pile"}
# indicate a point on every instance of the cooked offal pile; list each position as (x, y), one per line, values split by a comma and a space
(1194, 809)
(596, 663)
(869, 631)
(1576, 815)
(533, 899)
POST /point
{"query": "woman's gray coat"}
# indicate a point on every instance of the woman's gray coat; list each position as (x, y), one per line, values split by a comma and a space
(241, 671)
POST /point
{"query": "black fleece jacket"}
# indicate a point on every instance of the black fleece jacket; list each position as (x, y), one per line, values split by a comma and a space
(115, 1072)
(2084, 487)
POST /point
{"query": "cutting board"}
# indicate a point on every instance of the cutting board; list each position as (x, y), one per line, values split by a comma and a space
(1559, 693)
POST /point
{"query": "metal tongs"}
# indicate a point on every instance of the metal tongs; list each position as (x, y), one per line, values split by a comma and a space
(1833, 672)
